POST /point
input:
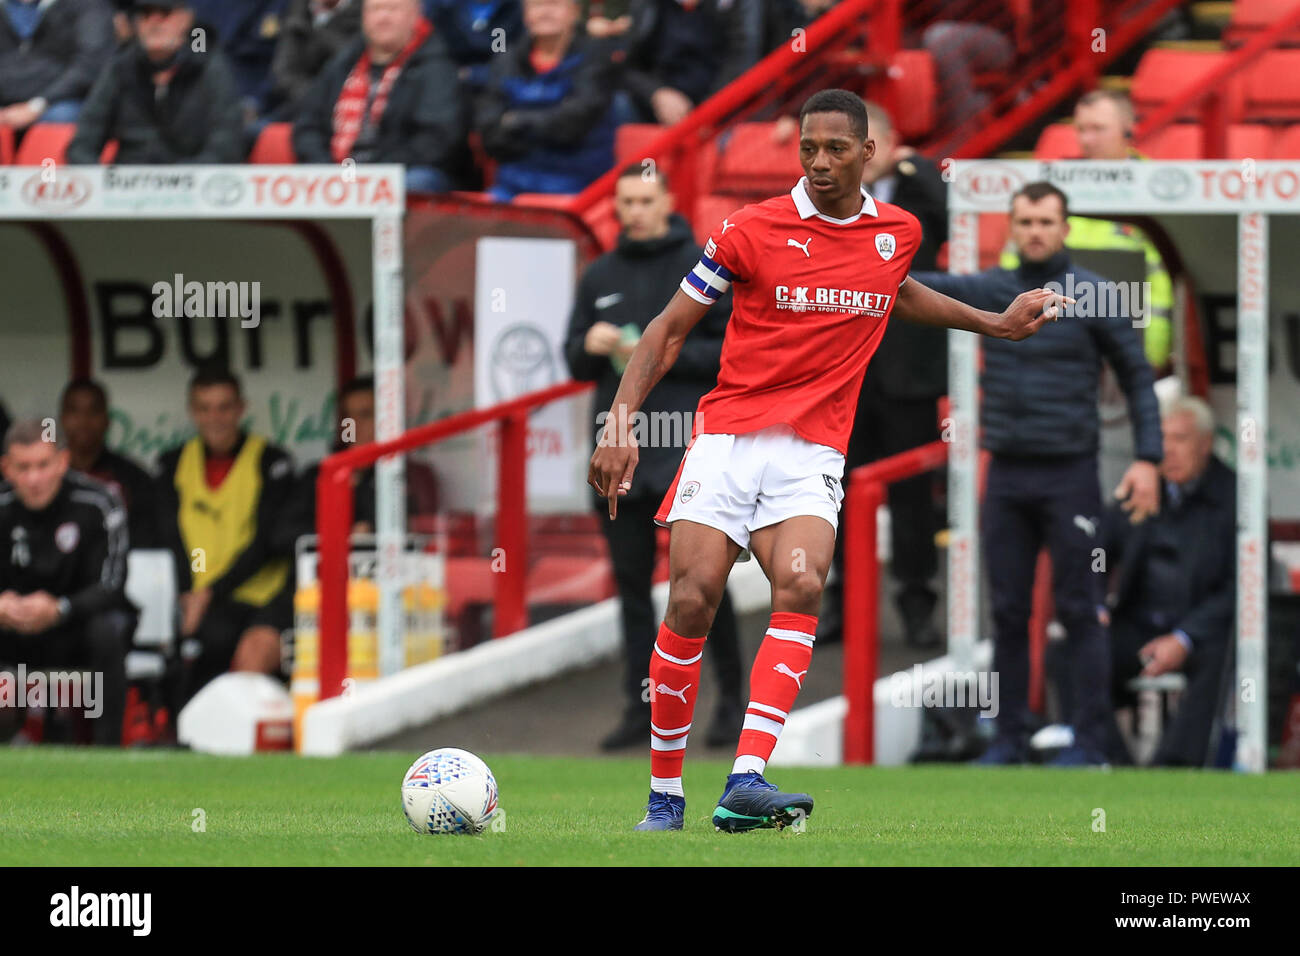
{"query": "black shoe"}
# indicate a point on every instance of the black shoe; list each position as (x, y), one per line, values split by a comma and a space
(633, 731)
(727, 721)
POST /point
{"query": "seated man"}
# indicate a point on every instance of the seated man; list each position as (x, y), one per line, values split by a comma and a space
(50, 53)
(62, 575)
(314, 32)
(475, 31)
(221, 495)
(83, 418)
(391, 96)
(545, 115)
(161, 101)
(1173, 584)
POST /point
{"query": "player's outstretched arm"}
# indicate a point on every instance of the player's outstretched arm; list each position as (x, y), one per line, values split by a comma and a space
(615, 458)
(921, 304)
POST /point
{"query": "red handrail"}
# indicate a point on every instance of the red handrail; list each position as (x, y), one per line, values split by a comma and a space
(334, 518)
(862, 589)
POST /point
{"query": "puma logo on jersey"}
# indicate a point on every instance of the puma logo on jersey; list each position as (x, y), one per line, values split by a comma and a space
(605, 301)
(726, 225)
(801, 245)
(679, 694)
(797, 678)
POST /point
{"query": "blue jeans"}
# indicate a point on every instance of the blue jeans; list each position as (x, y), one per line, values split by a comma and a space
(61, 111)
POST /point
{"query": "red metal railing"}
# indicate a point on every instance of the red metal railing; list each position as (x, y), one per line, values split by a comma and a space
(862, 589)
(334, 518)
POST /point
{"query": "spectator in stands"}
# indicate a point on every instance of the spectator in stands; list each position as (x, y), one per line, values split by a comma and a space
(221, 495)
(356, 426)
(545, 115)
(83, 419)
(314, 32)
(163, 101)
(898, 404)
(391, 96)
(680, 53)
(63, 573)
(1039, 422)
(476, 32)
(1173, 583)
(1104, 121)
(50, 53)
(246, 32)
(123, 28)
(616, 298)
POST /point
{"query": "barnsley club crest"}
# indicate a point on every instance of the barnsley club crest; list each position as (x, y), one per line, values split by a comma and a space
(885, 245)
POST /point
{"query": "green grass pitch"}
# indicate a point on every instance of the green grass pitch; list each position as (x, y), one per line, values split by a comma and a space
(79, 807)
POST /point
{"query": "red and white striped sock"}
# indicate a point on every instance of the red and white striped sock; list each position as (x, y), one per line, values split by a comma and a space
(674, 684)
(774, 683)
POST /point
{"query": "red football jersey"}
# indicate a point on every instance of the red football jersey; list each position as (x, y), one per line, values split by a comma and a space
(810, 299)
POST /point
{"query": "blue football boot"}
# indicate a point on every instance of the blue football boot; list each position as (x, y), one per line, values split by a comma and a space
(750, 802)
(665, 811)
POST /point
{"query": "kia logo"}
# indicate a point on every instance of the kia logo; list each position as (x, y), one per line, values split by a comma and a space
(987, 182)
(62, 191)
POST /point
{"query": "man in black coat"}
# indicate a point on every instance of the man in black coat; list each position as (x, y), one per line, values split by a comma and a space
(1174, 584)
(314, 32)
(162, 101)
(400, 88)
(1039, 420)
(50, 54)
(616, 299)
(897, 407)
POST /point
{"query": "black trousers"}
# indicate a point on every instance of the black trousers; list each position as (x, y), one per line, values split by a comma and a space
(1055, 502)
(885, 427)
(98, 643)
(218, 634)
(1186, 738)
(631, 540)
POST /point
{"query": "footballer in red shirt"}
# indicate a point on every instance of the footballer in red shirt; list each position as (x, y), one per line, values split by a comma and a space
(815, 275)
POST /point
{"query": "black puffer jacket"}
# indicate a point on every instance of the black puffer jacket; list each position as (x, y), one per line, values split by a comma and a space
(1040, 394)
(198, 120)
(631, 285)
(72, 42)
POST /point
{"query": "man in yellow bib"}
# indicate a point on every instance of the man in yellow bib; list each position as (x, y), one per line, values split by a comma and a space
(222, 496)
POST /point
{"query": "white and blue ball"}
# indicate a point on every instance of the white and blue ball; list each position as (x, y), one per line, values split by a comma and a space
(449, 791)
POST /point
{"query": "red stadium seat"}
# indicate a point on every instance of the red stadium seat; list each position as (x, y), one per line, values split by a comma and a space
(912, 74)
(274, 146)
(1250, 17)
(1163, 74)
(6, 146)
(1287, 143)
(750, 163)
(1057, 141)
(631, 140)
(45, 141)
(711, 210)
(1252, 140)
(1177, 141)
(559, 579)
(994, 228)
(544, 200)
(1272, 87)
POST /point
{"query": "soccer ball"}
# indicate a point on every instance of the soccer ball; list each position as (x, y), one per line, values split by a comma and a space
(449, 791)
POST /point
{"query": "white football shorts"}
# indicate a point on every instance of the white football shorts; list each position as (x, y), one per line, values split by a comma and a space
(740, 483)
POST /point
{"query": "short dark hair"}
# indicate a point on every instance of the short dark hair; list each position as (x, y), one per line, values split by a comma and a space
(653, 173)
(84, 385)
(1041, 190)
(208, 375)
(838, 101)
(362, 383)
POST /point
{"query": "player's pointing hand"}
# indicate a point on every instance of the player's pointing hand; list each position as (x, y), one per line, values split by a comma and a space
(1028, 312)
(612, 464)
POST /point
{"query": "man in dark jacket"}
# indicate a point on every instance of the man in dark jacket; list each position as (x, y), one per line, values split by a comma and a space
(63, 572)
(681, 53)
(314, 32)
(1174, 584)
(618, 296)
(50, 54)
(476, 32)
(897, 406)
(391, 96)
(83, 419)
(1039, 420)
(247, 32)
(545, 115)
(160, 99)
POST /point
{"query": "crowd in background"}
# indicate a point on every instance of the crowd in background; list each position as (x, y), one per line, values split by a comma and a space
(535, 87)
